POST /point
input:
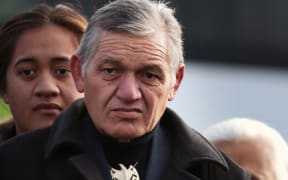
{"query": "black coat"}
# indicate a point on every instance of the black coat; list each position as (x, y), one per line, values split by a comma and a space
(57, 153)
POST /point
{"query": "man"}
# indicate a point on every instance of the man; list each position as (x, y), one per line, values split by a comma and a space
(35, 78)
(129, 64)
(254, 145)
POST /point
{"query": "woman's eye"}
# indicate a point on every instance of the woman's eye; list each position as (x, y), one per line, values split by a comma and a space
(62, 71)
(27, 72)
(254, 178)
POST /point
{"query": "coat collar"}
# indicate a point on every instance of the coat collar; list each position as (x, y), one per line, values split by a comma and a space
(66, 140)
(86, 167)
(66, 131)
(188, 146)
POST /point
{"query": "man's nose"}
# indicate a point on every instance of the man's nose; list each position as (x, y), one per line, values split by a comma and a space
(47, 86)
(128, 88)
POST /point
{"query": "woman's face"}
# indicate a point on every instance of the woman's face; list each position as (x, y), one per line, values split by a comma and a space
(39, 82)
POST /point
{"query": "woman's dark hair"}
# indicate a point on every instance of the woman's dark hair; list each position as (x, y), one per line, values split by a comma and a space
(62, 15)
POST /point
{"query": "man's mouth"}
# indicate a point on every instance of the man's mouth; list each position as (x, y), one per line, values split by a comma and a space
(127, 113)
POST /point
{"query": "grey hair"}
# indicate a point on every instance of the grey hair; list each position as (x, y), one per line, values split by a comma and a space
(236, 129)
(136, 17)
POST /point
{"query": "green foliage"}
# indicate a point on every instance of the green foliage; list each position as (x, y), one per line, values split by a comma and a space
(4, 111)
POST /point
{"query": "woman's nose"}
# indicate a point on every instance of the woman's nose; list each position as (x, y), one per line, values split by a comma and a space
(47, 86)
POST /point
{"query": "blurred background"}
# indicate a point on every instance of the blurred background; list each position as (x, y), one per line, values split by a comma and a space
(236, 54)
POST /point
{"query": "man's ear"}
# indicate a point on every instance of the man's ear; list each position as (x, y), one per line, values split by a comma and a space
(75, 64)
(179, 77)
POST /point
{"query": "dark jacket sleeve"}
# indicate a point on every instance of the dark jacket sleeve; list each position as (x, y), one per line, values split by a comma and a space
(209, 170)
(235, 172)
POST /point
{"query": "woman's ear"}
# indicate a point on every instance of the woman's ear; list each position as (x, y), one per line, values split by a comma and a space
(76, 71)
(179, 77)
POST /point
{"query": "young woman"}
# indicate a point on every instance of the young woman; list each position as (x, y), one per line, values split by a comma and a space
(35, 78)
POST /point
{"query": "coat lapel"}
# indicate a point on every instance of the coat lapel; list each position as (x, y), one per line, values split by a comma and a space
(189, 151)
(66, 152)
(86, 167)
(188, 146)
(78, 167)
(172, 173)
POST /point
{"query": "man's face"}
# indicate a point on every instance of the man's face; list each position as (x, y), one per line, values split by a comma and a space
(39, 82)
(127, 84)
(254, 155)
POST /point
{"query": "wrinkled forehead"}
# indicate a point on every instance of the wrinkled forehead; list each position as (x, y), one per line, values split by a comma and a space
(154, 44)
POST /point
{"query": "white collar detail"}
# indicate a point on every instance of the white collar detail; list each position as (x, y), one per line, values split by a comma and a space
(125, 174)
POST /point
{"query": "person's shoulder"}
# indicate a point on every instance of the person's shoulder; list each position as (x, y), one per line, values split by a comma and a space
(24, 143)
(24, 155)
(191, 149)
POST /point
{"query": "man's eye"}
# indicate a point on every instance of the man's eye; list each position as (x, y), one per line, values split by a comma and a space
(151, 76)
(110, 73)
(109, 70)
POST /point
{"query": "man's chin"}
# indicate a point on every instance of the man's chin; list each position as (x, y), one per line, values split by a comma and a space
(125, 136)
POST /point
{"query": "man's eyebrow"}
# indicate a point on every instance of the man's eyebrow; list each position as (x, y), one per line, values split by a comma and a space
(111, 61)
(155, 67)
